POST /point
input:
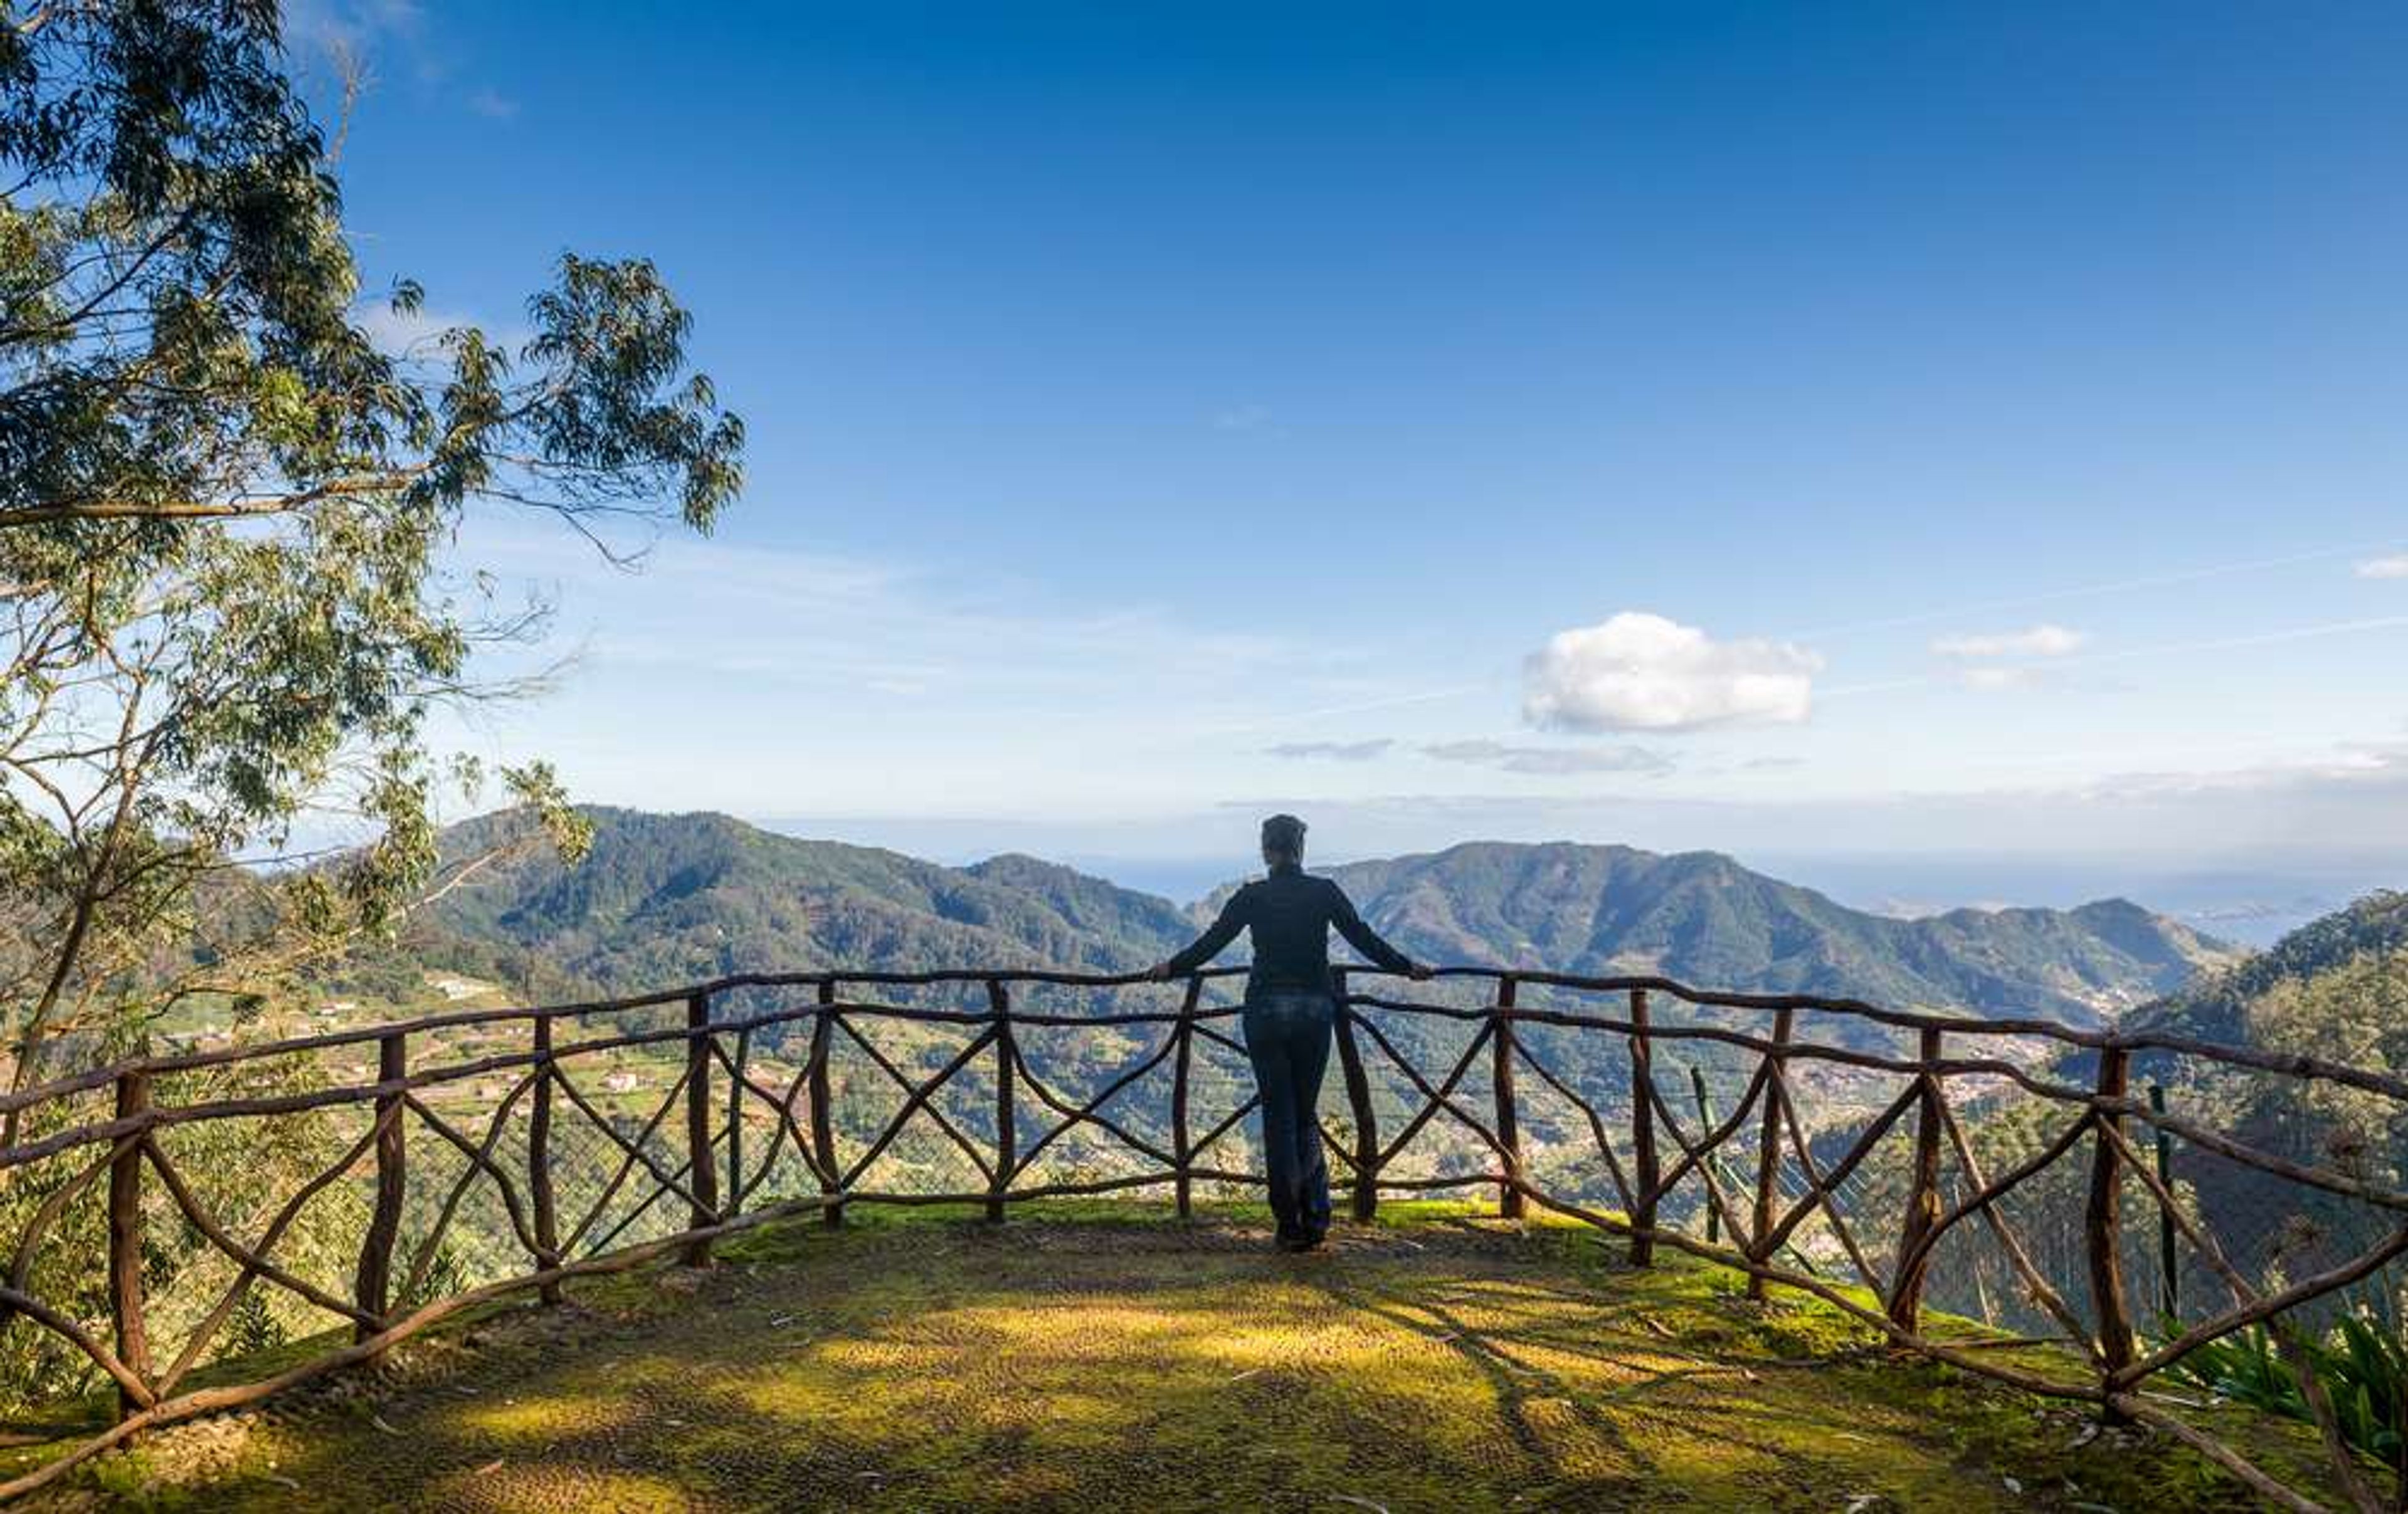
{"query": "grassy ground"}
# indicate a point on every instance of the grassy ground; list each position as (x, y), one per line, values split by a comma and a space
(1080, 1359)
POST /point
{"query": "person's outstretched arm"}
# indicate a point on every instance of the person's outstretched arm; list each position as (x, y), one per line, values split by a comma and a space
(1366, 940)
(1207, 946)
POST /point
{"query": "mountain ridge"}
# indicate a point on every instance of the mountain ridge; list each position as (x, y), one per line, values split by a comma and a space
(1606, 910)
(677, 898)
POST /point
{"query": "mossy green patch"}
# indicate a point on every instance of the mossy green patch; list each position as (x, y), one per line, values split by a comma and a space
(1096, 1357)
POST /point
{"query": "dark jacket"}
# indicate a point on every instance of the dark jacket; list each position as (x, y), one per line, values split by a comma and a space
(1290, 914)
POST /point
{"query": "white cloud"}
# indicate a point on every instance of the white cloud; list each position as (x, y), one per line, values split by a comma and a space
(1341, 751)
(414, 334)
(397, 333)
(1641, 672)
(1998, 679)
(1551, 761)
(2035, 641)
(348, 33)
(492, 104)
(2384, 567)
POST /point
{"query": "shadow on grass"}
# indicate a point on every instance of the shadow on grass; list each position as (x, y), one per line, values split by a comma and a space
(1097, 1365)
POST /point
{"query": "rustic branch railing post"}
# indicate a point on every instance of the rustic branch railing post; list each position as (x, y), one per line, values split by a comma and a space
(2102, 1219)
(735, 1197)
(823, 1117)
(540, 1191)
(702, 1174)
(125, 1303)
(1922, 1193)
(1007, 1143)
(1509, 1202)
(1358, 1103)
(1644, 1172)
(374, 1283)
(1767, 1151)
(1705, 1101)
(1183, 1055)
(2169, 1265)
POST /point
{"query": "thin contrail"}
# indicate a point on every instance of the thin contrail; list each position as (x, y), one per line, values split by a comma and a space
(1391, 702)
(2260, 638)
(2157, 581)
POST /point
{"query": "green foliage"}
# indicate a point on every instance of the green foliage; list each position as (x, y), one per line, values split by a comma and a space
(2361, 1364)
(2337, 990)
(240, 1172)
(224, 509)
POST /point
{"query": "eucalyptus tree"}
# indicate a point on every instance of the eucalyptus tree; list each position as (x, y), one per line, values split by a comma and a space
(232, 522)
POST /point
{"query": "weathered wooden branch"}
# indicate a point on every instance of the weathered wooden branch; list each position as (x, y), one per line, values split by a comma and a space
(1695, 1156)
(702, 1210)
(1644, 1173)
(541, 1198)
(1922, 1195)
(1227, 1124)
(1091, 1111)
(1823, 1191)
(1768, 1153)
(125, 1306)
(742, 1081)
(2038, 1286)
(1595, 1122)
(736, 1084)
(373, 1282)
(29, 1240)
(1183, 1036)
(2386, 1084)
(1509, 1121)
(633, 1153)
(1434, 1099)
(253, 1258)
(481, 1163)
(823, 1116)
(2101, 1226)
(1366, 1163)
(999, 1000)
(917, 1096)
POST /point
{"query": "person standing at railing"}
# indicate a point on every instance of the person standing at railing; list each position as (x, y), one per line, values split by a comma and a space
(1290, 1011)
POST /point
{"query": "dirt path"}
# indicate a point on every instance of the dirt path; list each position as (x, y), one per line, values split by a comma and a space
(1087, 1366)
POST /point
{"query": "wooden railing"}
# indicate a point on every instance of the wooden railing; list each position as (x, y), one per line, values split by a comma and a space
(1774, 1187)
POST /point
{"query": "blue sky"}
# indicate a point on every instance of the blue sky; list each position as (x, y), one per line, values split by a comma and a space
(1914, 428)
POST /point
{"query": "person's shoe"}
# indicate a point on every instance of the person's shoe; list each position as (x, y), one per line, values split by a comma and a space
(1296, 1243)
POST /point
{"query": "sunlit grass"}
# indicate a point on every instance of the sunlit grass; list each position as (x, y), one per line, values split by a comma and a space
(1096, 1356)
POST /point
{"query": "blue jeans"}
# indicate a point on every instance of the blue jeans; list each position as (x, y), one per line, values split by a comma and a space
(1287, 1039)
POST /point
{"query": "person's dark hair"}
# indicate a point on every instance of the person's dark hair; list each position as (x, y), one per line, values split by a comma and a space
(1283, 835)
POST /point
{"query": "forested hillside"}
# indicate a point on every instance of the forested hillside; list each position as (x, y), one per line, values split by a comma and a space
(665, 899)
(669, 899)
(2336, 989)
(1704, 919)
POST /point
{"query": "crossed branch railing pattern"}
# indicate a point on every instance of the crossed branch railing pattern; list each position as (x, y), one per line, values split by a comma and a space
(1651, 1159)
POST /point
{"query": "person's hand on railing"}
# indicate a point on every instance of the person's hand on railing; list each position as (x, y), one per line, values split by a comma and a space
(1159, 973)
(1421, 972)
